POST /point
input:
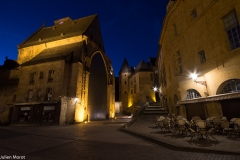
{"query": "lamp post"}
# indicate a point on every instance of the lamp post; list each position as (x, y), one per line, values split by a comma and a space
(194, 78)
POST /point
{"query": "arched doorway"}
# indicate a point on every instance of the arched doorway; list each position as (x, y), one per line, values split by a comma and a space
(97, 89)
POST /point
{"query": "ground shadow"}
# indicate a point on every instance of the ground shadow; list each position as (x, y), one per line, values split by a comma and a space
(203, 142)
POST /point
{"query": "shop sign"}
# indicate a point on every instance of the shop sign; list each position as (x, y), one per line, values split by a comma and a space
(25, 108)
(47, 108)
(1, 108)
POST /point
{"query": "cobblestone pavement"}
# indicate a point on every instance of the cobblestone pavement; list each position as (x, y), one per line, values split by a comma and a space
(95, 140)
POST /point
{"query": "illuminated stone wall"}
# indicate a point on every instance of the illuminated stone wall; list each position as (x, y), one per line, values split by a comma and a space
(123, 89)
(188, 34)
(67, 83)
(144, 88)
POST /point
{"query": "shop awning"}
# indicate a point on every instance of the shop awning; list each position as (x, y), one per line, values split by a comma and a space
(35, 103)
(218, 97)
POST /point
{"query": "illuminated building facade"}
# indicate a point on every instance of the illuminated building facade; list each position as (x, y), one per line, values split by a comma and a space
(199, 57)
(65, 76)
(137, 84)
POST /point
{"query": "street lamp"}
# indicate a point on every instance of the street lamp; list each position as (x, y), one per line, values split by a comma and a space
(194, 78)
(155, 89)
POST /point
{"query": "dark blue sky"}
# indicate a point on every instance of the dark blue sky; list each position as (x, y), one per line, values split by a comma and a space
(130, 28)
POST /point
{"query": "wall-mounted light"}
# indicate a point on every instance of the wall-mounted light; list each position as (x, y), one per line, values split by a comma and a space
(194, 78)
(155, 89)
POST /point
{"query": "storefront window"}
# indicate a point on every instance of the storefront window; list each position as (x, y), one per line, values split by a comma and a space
(48, 113)
(24, 114)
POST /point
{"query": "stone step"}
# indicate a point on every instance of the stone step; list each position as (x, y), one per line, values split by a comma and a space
(155, 108)
(155, 113)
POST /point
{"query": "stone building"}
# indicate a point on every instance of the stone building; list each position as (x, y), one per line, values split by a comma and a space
(65, 76)
(199, 58)
(9, 78)
(137, 83)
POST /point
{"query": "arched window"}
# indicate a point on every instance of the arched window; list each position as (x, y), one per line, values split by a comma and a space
(192, 93)
(229, 86)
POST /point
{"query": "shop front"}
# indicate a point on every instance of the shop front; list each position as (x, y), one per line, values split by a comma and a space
(36, 113)
(223, 105)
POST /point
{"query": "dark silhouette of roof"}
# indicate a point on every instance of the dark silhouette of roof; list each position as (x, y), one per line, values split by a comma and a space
(9, 64)
(152, 61)
(142, 66)
(65, 27)
(125, 67)
(57, 53)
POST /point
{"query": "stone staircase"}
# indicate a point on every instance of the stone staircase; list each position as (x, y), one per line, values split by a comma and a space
(155, 109)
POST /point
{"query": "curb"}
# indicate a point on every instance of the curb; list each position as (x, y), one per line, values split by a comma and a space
(171, 146)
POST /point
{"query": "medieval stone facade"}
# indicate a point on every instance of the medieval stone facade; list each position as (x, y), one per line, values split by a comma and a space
(65, 76)
(137, 84)
(199, 57)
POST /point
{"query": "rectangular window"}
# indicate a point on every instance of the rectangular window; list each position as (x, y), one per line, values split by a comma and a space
(50, 75)
(49, 93)
(31, 80)
(202, 57)
(175, 29)
(232, 29)
(30, 95)
(194, 14)
(178, 63)
(41, 75)
(39, 94)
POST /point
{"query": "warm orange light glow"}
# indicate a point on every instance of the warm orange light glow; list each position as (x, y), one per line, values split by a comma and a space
(193, 76)
(79, 113)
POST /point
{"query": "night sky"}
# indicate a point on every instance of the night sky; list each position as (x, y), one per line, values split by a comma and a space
(130, 28)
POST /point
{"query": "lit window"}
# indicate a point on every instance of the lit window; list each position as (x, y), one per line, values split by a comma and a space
(192, 93)
(232, 29)
(231, 86)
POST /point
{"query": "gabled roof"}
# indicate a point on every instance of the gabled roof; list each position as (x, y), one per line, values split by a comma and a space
(63, 28)
(125, 67)
(142, 66)
(57, 53)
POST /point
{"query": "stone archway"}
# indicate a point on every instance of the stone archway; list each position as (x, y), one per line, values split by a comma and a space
(97, 89)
